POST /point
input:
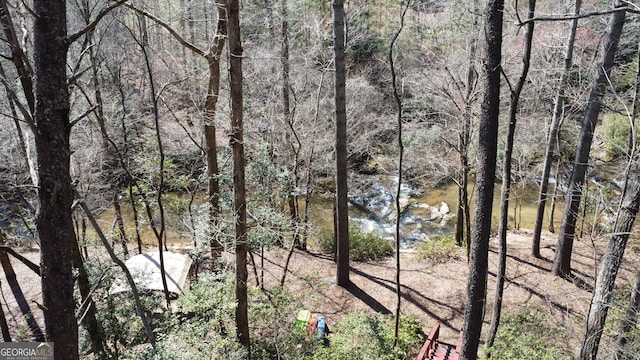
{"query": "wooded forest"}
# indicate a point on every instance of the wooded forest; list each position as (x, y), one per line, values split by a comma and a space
(390, 167)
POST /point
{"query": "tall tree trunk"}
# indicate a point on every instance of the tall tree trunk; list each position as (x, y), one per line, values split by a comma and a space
(89, 319)
(307, 197)
(610, 264)
(288, 118)
(631, 315)
(210, 106)
(398, 99)
(458, 231)
(562, 260)
(631, 140)
(552, 211)
(121, 229)
(506, 176)
(553, 133)
(4, 327)
(25, 73)
(54, 219)
(212, 54)
(18, 57)
(159, 233)
(630, 320)
(487, 152)
(237, 147)
(463, 213)
(342, 211)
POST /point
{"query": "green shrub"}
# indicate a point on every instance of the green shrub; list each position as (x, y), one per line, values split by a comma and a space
(438, 249)
(368, 245)
(204, 327)
(360, 336)
(363, 245)
(274, 335)
(615, 133)
(526, 334)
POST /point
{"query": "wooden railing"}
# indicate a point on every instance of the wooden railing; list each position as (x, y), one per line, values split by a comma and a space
(430, 343)
(433, 349)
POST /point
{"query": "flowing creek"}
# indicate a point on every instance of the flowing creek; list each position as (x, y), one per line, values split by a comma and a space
(424, 212)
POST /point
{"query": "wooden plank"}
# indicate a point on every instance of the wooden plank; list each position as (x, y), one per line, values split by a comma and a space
(456, 352)
(429, 343)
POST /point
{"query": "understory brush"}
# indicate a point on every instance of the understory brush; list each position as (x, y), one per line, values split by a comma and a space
(202, 327)
(527, 335)
(363, 245)
(437, 249)
(361, 336)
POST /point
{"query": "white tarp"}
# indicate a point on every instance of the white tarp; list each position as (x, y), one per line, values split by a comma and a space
(145, 270)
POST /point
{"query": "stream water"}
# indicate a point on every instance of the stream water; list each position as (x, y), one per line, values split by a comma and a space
(424, 212)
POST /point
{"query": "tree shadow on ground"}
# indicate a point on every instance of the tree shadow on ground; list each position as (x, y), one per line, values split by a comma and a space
(374, 304)
(411, 295)
(578, 278)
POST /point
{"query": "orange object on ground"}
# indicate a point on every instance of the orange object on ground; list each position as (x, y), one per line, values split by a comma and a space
(313, 323)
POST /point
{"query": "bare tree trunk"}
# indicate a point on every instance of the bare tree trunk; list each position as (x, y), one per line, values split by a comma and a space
(4, 327)
(562, 260)
(610, 265)
(463, 213)
(631, 141)
(54, 220)
(134, 289)
(554, 196)
(630, 320)
(210, 106)
(236, 139)
(342, 211)
(89, 320)
(18, 57)
(136, 217)
(22, 142)
(553, 134)
(288, 118)
(459, 229)
(289, 256)
(398, 99)
(121, 229)
(506, 176)
(307, 198)
(487, 153)
(213, 55)
(159, 233)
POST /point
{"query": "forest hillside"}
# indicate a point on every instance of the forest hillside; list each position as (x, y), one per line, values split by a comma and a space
(212, 129)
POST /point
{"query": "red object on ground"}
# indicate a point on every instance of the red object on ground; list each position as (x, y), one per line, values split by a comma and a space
(434, 349)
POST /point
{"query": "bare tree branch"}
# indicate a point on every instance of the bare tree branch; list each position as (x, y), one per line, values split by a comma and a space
(634, 9)
(85, 114)
(94, 23)
(168, 27)
(23, 110)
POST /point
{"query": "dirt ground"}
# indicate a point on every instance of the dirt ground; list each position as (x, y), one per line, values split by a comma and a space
(436, 292)
(431, 292)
